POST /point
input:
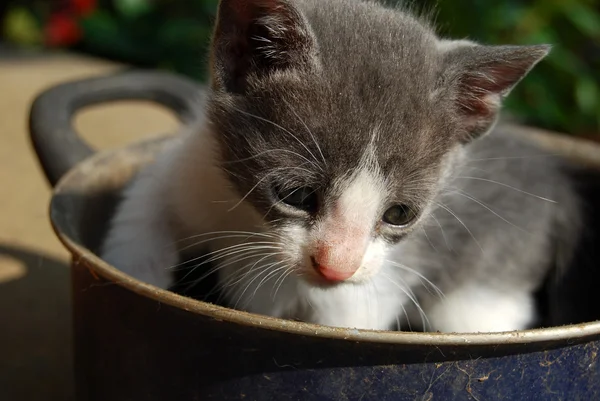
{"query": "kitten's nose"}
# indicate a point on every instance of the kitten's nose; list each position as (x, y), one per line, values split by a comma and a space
(329, 273)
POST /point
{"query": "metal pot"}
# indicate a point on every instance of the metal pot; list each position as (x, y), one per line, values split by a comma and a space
(137, 342)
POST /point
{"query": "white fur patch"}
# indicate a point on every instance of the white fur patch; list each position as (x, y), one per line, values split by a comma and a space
(375, 304)
(475, 308)
(140, 241)
(344, 239)
(361, 199)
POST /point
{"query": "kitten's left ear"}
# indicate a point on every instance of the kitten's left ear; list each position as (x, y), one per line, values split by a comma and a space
(254, 38)
(479, 77)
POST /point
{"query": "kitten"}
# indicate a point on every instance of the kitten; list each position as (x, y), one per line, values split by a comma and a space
(345, 171)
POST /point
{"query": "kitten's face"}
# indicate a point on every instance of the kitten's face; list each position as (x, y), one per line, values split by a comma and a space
(338, 126)
(339, 179)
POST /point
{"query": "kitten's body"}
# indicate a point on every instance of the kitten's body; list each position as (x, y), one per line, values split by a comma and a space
(388, 123)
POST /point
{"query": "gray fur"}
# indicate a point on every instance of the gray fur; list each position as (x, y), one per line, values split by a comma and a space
(509, 237)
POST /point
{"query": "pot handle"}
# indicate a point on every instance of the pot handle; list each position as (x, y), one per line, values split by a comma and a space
(57, 144)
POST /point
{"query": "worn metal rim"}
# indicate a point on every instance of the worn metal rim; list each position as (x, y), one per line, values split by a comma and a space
(83, 257)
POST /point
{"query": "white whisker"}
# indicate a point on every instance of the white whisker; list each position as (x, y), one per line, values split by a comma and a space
(264, 178)
(283, 129)
(309, 132)
(249, 233)
(422, 277)
(428, 240)
(234, 260)
(256, 276)
(270, 275)
(446, 208)
(282, 279)
(442, 231)
(219, 253)
(515, 157)
(462, 193)
(195, 244)
(408, 292)
(267, 152)
(507, 186)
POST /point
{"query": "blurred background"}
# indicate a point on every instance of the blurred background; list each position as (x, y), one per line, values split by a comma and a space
(562, 93)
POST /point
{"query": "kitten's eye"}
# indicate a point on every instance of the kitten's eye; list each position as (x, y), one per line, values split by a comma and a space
(399, 215)
(303, 198)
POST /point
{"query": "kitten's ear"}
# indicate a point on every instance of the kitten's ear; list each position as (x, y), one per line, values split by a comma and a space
(257, 37)
(481, 76)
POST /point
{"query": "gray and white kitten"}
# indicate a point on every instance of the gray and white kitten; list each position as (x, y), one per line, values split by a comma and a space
(345, 172)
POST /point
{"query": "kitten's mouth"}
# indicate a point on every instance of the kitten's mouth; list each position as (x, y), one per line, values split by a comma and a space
(316, 280)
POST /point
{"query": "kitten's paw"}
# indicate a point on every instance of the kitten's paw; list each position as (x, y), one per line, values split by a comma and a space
(478, 309)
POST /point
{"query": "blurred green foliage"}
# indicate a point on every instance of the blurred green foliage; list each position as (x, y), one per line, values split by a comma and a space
(172, 35)
(167, 34)
(562, 93)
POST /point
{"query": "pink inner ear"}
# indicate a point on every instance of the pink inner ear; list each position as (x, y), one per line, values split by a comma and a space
(247, 11)
(500, 78)
(236, 10)
(258, 36)
(482, 91)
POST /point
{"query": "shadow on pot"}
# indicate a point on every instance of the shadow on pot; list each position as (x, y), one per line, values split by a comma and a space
(36, 333)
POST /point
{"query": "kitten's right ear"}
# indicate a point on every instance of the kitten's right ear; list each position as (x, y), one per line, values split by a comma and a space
(254, 38)
(480, 77)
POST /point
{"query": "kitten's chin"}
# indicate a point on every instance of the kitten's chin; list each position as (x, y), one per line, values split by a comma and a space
(342, 306)
(315, 280)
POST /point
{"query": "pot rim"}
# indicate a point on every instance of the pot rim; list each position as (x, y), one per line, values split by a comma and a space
(99, 268)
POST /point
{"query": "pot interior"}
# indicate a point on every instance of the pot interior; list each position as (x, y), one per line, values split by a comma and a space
(86, 198)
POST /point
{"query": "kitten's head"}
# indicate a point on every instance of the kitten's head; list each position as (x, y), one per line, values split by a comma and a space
(338, 121)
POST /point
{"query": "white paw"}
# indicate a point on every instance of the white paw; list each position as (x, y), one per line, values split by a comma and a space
(474, 308)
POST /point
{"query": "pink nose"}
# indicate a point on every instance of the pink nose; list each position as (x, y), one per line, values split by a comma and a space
(330, 273)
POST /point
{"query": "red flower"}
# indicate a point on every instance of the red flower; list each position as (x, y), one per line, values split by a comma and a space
(83, 7)
(62, 30)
